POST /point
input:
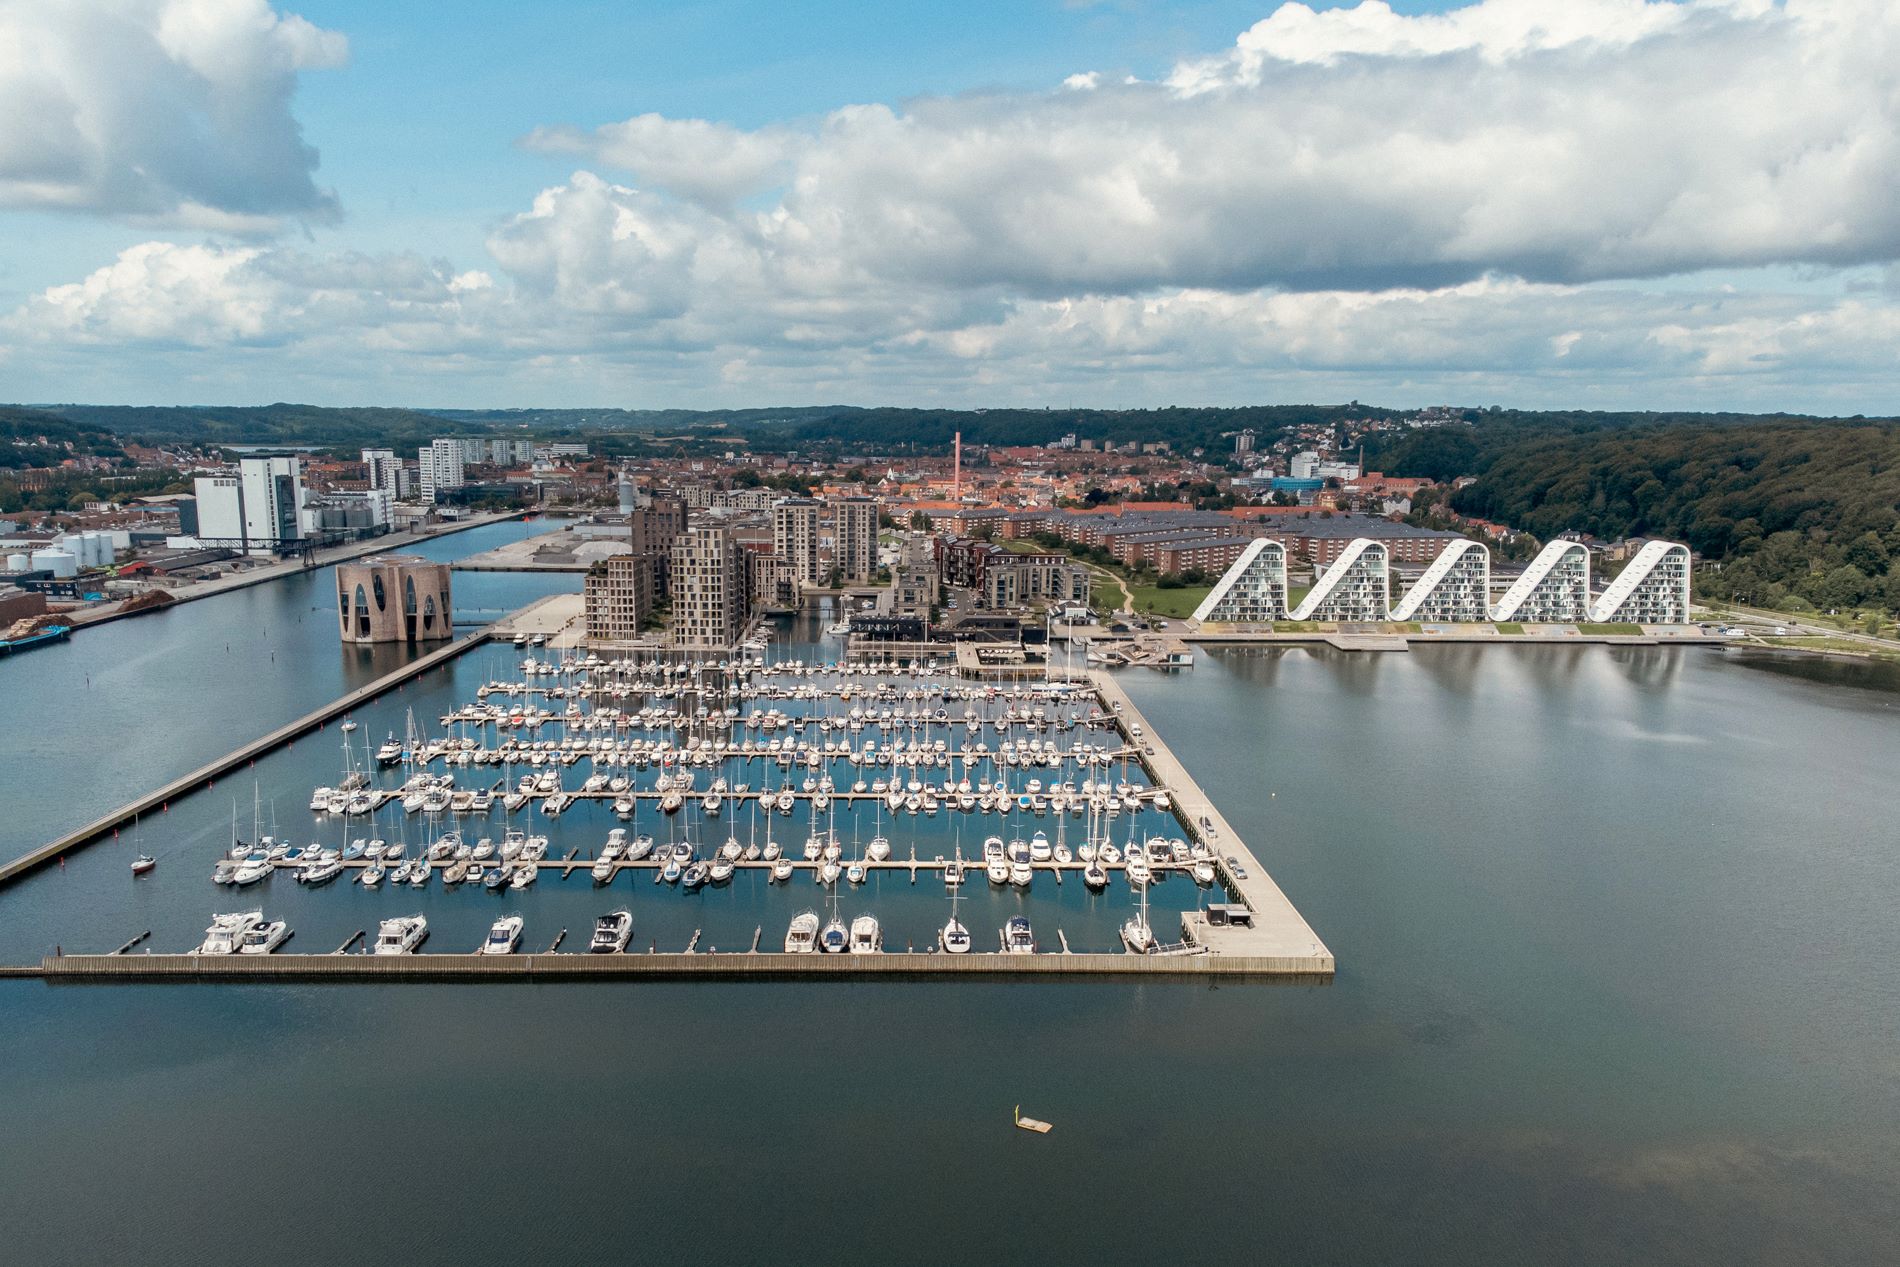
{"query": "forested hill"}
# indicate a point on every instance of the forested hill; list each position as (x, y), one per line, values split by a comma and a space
(1788, 507)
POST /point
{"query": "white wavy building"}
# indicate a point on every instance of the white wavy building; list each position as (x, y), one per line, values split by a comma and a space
(1652, 590)
(1456, 588)
(1354, 588)
(1554, 589)
(1252, 589)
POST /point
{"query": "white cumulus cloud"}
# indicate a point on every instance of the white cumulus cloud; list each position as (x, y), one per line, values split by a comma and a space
(173, 112)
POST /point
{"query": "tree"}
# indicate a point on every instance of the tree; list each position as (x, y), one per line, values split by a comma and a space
(1868, 553)
(1844, 587)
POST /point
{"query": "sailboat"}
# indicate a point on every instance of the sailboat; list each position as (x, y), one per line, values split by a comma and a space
(1136, 933)
(954, 937)
(144, 861)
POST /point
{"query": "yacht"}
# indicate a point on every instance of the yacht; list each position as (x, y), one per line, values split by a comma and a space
(721, 870)
(612, 932)
(603, 869)
(695, 874)
(855, 873)
(802, 937)
(782, 869)
(1039, 849)
(640, 848)
(953, 936)
(1017, 937)
(1137, 871)
(322, 871)
(391, 751)
(835, 938)
(953, 874)
(503, 936)
(524, 875)
(222, 937)
(250, 871)
(372, 875)
(263, 936)
(400, 936)
(866, 937)
(1204, 873)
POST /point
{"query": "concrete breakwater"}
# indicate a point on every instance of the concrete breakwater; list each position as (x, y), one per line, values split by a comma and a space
(735, 965)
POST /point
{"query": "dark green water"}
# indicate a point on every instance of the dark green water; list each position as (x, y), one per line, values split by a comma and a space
(1618, 983)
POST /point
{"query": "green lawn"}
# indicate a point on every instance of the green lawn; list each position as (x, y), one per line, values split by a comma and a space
(1169, 602)
(1510, 627)
(1604, 630)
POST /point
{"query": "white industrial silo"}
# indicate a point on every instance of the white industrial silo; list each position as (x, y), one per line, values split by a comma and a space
(19, 562)
(63, 564)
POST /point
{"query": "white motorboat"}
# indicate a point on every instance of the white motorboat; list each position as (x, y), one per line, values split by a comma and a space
(721, 869)
(855, 873)
(782, 869)
(879, 850)
(320, 872)
(223, 935)
(1018, 939)
(250, 871)
(866, 937)
(524, 874)
(1138, 873)
(640, 848)
(1204, 873)
(503, 936)
(263, 936)
(603, 869)
(400, 935)
(612, 932)
(802, 937)
(1039, 848)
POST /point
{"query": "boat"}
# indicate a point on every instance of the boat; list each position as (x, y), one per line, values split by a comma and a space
(1137, 935)
(782, 869)
(400, 935)
(603, 870)
(721, 869)
(695, 874)
(612, 932)
(503, 936)
(391, 751)
(1018, 939)
(1093, 875)
(866, 937)
(828, 873)
(835, 938)
(250, 871)
(372, 875)
(36, 638)
(802, 937)
(524, 875)
(855, 873)
(496, 879)
(143, 863)
(640, 848)
(953, 936)
(1204, 873)
(321, 871)
(222, 937)
(1040, 849)
(263, 936)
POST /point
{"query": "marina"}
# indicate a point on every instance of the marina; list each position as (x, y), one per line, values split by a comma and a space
(768, 773)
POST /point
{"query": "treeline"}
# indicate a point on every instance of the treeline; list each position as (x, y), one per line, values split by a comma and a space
(1184, 428)
(1786, 512)
(35, 437)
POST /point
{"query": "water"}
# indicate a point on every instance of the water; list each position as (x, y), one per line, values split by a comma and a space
(117, 710)
(1617, 983)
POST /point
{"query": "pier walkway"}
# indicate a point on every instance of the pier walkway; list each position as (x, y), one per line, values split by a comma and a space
(1279, 934)
(734, 964)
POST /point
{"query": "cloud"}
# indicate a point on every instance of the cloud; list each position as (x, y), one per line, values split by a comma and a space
(1556, 140)
(1567, 202)
(171, 113)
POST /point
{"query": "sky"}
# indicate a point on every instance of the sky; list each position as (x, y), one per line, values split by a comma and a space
(1669, 204)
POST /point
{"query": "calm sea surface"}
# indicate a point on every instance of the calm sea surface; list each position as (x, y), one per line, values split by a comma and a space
(1619, 980)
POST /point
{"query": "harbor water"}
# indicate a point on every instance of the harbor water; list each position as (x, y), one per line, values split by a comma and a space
(1618, 981)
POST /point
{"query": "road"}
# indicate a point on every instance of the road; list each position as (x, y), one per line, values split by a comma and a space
(1804, 628)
